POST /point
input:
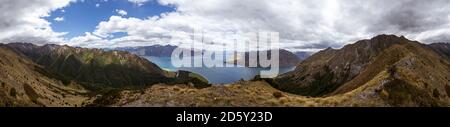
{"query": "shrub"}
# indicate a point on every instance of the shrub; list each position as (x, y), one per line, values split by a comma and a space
(436, 93)
(13, 92)
(392, 70)
(108, 97)
(199, 84)
(401, 93)
(31, 93)
(321, 85)
(447, 90)
(278, 94)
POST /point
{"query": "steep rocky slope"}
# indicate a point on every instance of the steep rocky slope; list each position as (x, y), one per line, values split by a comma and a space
(442, 49)
(419, 71)
(53, 75)
(92, 67)
(23, 84)
(384, 71)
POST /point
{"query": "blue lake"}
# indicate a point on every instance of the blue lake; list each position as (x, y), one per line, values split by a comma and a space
(215, 75)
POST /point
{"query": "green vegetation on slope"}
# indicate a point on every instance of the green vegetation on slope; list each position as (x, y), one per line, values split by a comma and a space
(93, 68)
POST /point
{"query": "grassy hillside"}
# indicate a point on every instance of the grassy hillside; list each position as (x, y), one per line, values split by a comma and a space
(93, 67)
(22, 85)
(332, 72)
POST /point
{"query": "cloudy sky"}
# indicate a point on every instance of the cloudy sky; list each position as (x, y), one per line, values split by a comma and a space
(306, 25)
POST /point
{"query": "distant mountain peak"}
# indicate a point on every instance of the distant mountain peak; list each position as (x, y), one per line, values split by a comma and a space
(154, 50)
(386, 39)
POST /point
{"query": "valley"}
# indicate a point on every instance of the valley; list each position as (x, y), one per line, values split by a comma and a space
(229, 73)
(216, 75)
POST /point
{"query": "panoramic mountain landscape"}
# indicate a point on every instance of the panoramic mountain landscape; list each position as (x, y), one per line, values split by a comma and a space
(289, 59)
(162, 56)
(80, 72)
(386, 70)
(224, 53)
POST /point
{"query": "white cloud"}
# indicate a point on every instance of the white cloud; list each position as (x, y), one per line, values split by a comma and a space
(308, 23)
(97, 5)
(59, 19)
(22, 21)
(138, 2)
(303, 24)
(121, 12)
(88, 40)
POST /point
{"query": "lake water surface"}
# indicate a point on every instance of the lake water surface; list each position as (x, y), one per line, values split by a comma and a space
(215, 75)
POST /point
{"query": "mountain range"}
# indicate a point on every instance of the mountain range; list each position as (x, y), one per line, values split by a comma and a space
(386, 70)
(155, 50)
(406, 72)
(302, 55)
(92, 66)
(31, 73)
(287, 58)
